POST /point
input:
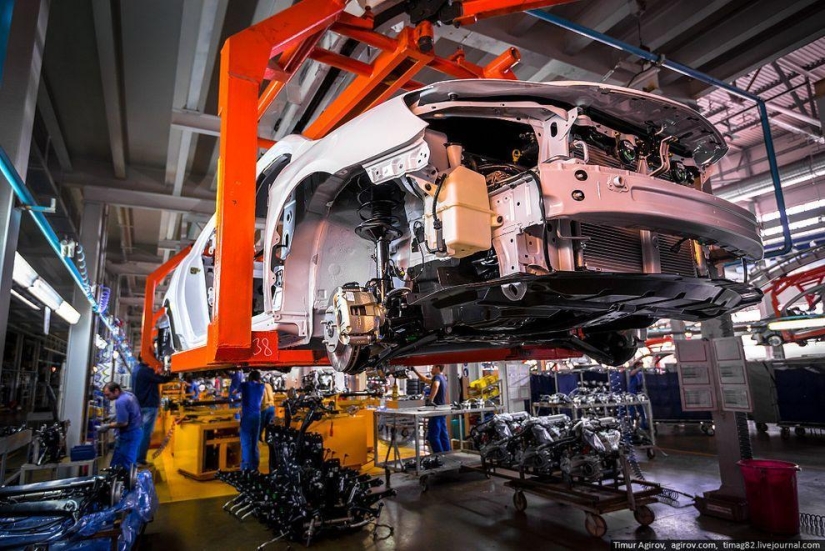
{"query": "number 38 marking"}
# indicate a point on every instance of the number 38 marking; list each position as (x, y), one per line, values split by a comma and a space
(261, 346)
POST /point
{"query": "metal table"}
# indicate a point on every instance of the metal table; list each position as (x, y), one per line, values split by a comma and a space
(396, 417)
(9, 444)
(91, 464)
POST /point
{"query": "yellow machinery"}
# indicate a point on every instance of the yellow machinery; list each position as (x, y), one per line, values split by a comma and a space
(206, 443)
(206, 438)
(486, 388)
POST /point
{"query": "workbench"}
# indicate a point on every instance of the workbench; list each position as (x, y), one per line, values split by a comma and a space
(397, 418)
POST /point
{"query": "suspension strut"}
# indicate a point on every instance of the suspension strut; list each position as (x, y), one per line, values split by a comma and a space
(381, 226)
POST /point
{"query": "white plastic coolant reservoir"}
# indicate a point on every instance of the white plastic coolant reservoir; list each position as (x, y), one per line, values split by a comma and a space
(464, 211)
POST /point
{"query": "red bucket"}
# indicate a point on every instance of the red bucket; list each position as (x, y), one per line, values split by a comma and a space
(770, 487)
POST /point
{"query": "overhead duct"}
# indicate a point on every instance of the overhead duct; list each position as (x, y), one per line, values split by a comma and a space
(795, 173)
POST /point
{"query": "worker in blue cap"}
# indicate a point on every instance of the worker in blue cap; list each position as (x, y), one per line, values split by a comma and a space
(252, 394)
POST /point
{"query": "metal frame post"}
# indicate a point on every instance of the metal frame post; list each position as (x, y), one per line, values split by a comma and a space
(18, 98)
(74, 395)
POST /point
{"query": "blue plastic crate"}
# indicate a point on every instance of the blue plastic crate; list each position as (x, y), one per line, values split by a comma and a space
(83, 452)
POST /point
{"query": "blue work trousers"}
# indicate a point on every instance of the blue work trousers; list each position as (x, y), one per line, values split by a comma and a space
(250, 430)
(437, 434)
(267, 416)
(150, 415)
(126, 448)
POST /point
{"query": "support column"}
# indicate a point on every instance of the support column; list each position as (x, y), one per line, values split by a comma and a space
(74, 394)
(18, 99)
(730, 441)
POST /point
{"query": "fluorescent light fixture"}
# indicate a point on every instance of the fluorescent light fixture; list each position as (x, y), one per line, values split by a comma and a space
(804, 207)
(43, 292)
(24, 300)
(23, 274)
(747, 316)
(68, 313)
(804, 323)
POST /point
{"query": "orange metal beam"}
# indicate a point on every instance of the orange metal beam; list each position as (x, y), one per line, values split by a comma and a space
(474, 10)
(365, 36)
(341, 62)
(147, 351)
(502, 66)
(243, 61)
(291, 60)
(391, 70)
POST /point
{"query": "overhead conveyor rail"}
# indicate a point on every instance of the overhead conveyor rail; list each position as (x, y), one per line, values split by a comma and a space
(269, 55)
(36, 211)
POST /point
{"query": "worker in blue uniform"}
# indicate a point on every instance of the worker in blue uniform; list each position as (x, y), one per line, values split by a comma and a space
(236, 378)
(128, 422)
(252, 394)
(635, 384)
(147, 391)
(437, 434)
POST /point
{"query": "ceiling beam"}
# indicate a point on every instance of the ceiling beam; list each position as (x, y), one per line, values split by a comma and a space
(194, 121)
(535, 46)
(666, 21)
(147, 200)
(798, 31)
(786, 81)
(751, 21)
(201, 29)
(600, 16)
(47, 113)
(107, 52)
(131, 268)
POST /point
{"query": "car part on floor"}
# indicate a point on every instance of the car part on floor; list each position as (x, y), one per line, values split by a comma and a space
(46, 512)
(305, 495)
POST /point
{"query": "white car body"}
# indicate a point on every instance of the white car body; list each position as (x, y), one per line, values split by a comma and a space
(307, 261)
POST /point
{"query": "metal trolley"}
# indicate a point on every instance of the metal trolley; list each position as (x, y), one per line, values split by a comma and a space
(595, 499)
(413, 419)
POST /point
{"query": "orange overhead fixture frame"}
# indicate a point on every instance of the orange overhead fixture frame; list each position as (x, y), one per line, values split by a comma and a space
(268, 55)
(810, 280)
(150, 318)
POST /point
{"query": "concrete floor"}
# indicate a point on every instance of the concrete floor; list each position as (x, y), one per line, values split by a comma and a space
(470, 512)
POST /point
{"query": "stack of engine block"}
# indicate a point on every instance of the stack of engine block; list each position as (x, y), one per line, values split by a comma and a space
(304, 494)
(587, 450)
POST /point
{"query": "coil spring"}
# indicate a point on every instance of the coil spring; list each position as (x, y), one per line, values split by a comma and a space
(812, 524)
(105, 293)
(376, 203)
(81, 267)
